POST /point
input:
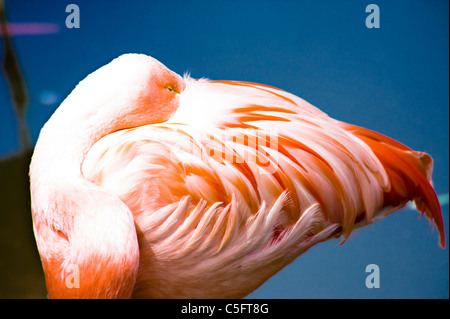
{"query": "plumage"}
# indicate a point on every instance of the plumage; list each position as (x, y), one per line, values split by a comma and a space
(208, 187)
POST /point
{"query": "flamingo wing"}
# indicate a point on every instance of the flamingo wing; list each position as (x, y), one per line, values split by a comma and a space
(243, 179)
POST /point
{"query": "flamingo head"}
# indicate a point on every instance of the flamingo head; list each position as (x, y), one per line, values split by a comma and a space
(130, 91)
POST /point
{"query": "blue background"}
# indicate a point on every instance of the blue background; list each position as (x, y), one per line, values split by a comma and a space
(393, 80)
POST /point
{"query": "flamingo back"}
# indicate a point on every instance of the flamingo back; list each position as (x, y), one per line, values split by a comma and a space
(242, 180)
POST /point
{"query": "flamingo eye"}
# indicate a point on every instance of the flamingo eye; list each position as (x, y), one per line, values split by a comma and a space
(170, 88)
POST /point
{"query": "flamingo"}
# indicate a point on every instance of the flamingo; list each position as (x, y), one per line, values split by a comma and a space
(153, 185)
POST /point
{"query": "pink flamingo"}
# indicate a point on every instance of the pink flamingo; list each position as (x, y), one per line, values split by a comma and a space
(153, 185)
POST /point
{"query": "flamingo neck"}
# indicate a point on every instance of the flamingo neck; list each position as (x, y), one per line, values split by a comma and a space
(96, 228)
(65, 140)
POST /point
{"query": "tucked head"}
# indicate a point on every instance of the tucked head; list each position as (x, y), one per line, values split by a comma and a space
(131, 90)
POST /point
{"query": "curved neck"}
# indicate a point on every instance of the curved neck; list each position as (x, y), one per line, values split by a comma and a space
(66, 138)
(79, 225)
